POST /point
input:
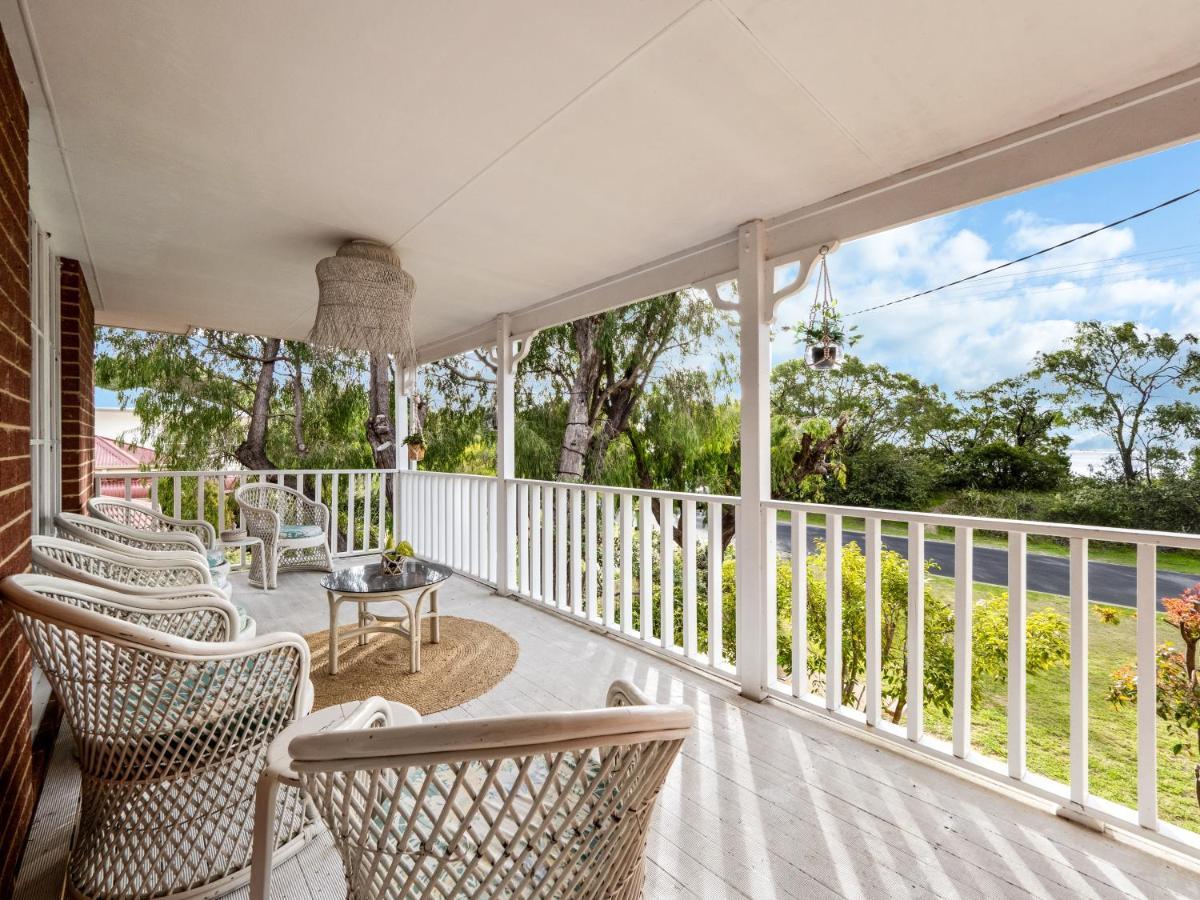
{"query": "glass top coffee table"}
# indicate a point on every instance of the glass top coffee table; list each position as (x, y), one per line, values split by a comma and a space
(364, 585)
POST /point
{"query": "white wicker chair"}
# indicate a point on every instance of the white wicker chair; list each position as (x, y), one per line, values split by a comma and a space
(544, 805)
(130, 570)
(144, 517)
(171, 735)
(268, 510)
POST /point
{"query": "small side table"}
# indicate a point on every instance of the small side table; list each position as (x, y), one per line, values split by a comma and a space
(278, 771)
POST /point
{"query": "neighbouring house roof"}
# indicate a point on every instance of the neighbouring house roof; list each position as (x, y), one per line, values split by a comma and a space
(112, 455)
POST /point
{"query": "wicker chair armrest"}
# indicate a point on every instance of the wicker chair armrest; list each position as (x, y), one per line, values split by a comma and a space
(198, 527)
(261, 522)
(428, 743)
(626, 693)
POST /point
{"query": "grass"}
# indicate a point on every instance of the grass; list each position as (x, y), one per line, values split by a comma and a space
(1112, 732)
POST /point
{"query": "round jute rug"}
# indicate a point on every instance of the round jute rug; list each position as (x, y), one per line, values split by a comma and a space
(472, 658)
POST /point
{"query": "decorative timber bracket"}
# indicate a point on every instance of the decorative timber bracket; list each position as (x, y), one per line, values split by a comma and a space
(802, 262)
(521, 345)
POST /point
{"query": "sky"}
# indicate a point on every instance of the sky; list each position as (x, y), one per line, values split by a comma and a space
(1147, 271)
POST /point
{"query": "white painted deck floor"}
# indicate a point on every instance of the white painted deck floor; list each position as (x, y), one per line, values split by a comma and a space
(764, 802)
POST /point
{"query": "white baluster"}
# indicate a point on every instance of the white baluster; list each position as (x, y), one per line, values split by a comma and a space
(1147, 684)
(351, 524)
(560, 549)
(335, 513)
(915, 640)
(548, 545)
(666, 563)
(1016, 653)
(645, 570)
(606, 516)
(688, 520)
(964, 576)
(536, 588)
(627, 563)
(716, 599)
(833, 611)
(576, 551)
(590, 585)
(874, 601)
(1079, 671)
(523, 538)
(771, 586)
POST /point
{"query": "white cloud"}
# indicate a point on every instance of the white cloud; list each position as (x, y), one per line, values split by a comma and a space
(994, 326)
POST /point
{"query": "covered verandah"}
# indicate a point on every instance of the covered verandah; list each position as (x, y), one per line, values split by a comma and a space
(197, 164)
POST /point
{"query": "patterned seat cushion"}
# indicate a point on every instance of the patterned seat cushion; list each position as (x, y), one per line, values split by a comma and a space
(288, 530)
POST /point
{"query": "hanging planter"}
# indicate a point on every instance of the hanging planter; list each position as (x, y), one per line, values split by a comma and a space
(825, 336)
(416, 447)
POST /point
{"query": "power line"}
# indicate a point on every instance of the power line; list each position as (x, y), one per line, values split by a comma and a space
(1028, 256)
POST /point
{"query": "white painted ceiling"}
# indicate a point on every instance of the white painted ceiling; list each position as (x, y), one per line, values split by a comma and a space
(512, 150)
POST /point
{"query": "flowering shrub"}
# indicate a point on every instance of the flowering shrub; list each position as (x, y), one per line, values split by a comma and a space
(1178, 697)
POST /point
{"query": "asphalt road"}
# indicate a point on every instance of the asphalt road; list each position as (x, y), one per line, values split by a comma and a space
(1107, 582)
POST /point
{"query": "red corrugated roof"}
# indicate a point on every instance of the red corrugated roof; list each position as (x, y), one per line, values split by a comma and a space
(110, 454)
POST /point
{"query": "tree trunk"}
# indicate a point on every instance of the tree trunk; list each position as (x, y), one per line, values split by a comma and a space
(252, 452)
(380, 430)
(298, 412)
(577, 435)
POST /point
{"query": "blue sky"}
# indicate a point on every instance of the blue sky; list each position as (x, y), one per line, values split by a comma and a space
(1147, 271)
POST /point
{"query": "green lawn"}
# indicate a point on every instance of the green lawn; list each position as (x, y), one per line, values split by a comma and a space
(1112, 732)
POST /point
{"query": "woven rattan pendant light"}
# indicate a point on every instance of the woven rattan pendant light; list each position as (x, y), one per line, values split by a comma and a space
(365, 302)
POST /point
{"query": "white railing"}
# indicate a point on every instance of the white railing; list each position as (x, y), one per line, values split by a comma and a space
(449, 519)
(823, 690)
(360, 515)
(602, 556)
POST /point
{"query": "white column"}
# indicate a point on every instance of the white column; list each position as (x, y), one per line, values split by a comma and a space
(506, 519)
(754, 310)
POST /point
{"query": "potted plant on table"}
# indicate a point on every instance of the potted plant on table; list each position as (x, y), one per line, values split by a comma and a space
(395, 555)
(416, 446)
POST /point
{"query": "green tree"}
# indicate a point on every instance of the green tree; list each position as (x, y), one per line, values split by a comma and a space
(209, 398)
(882, 406)
(1124, 382)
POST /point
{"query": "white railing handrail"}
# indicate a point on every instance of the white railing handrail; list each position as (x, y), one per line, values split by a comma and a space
(1178, 540)
(213, 473)
(633, 492)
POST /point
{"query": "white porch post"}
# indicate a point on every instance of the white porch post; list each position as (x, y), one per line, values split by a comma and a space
(754, 657)
(506, 518)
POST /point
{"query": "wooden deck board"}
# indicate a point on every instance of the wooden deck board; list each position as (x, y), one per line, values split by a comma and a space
(765, 802)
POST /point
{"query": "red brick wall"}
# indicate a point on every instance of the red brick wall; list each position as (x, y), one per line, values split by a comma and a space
(78, 405)
(17, 791)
